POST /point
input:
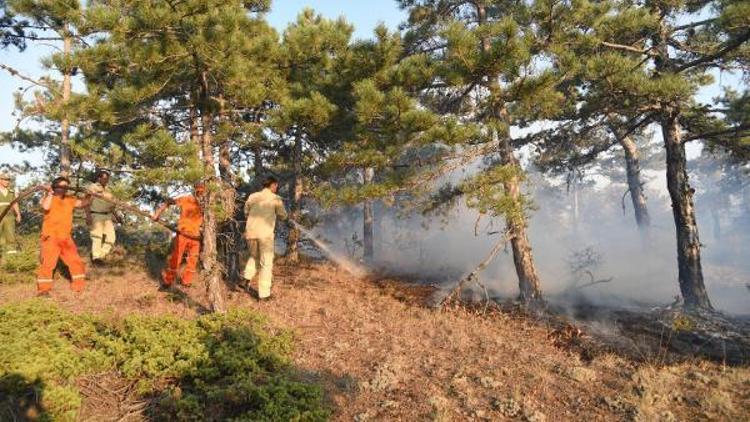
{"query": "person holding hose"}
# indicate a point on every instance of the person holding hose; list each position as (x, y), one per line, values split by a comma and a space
(101, 218)
(261, 209)
(187, 239)
(8, 224)
(57, 238)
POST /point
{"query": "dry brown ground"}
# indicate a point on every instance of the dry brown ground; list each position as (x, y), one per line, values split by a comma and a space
(382, 355)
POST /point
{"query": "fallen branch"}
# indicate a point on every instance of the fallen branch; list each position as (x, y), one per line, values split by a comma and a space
(474, 275)
(40, 188)
(604, 280)
(20, 197)
(593, 282)
(135, 210)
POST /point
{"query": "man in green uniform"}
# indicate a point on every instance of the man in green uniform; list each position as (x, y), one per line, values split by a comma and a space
(100, 218)
(8, 225)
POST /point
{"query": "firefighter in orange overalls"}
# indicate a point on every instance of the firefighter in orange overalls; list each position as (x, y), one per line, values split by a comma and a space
(187, 240)
(57, 240)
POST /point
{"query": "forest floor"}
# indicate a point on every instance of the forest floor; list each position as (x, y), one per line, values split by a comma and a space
(382, 354)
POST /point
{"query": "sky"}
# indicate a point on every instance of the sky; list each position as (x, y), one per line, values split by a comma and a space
(365, 16)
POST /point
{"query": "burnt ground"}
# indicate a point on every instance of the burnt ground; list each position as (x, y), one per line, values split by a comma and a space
(383, 354)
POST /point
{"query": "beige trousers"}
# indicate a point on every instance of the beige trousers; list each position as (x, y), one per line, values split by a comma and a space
(260, 262)
(102, 235)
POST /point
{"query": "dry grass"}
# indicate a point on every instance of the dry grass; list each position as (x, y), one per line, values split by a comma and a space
(383, 356)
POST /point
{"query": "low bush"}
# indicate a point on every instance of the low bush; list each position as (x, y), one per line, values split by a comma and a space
(21, 267)
(215, 367)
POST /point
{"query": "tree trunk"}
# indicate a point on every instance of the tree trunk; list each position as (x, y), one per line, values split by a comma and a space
(576, 207)
(211, 269)
(367, 220)
(296, 206)
(716, 217)
(230, 239)
(523, 259)
(66, 90)
(688, 244)
(258, 161)
(195, 136)
(633, 171)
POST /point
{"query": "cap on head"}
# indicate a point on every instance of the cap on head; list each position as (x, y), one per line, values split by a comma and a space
(4, 175)
(101, 172)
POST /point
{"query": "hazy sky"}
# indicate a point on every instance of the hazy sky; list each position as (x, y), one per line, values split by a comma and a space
(365, 16)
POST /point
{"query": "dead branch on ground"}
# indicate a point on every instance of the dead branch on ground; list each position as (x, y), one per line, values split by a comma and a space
(474, 275)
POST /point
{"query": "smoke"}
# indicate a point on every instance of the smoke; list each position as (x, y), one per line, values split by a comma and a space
(580, 235)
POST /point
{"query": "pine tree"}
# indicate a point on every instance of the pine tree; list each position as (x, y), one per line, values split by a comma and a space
(382, 126)
(166, 76)
(307, 119)
(578, 142)
(648, 61)
(61, 22)
(485, 53)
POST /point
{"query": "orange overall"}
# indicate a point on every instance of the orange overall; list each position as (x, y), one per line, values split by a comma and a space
(57, 242)
(191, 218)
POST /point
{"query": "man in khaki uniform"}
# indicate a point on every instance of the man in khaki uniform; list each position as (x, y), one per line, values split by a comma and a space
(100, 218)
(8, 225)
(261, 209)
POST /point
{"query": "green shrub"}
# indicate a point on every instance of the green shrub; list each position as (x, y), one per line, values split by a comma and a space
(21, 267)
(41, 344)
(212, 368)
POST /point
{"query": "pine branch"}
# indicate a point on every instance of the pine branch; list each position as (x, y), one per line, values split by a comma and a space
(728, 47)
(32, 37)
(627, 48)
(694, 24)
(736, 130)
(15, 73)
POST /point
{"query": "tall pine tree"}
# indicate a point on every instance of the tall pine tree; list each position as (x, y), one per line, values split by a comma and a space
(648, 61)
(487, 54)
(182, 71)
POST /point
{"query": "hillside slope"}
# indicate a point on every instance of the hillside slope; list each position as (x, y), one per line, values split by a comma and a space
(381, 355)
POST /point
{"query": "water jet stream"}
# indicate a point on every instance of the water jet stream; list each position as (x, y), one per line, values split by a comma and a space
(341, 261)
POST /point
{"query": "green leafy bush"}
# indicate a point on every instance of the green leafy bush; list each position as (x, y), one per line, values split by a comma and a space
(21, 267)
(212, 368)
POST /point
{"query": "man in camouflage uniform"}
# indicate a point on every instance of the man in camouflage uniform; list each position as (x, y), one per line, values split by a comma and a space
(8, 224)
(100, 218)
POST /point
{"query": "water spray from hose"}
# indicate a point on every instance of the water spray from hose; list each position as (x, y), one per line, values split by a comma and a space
(340, 260)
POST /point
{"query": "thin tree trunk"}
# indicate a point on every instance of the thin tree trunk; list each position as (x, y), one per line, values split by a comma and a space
(716, 216)
(576, 208)
(367, 220)
(377, 223)
(230, 237)
(635, 186)
(66, 90)
(688, 244)
(195, 136)
(258, 161)
(211, 270)
(523, 259)
(296, 208)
